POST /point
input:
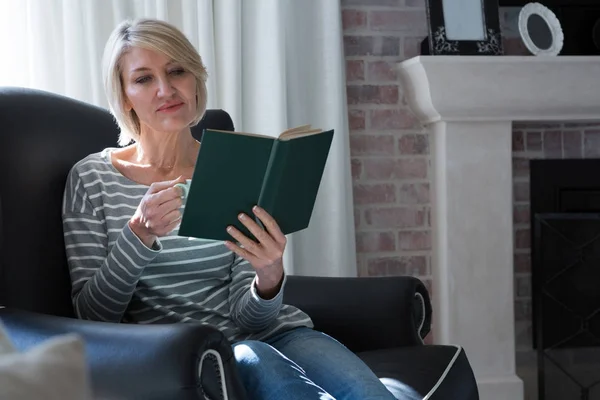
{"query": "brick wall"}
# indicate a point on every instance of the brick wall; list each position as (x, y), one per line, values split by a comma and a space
(390, 150)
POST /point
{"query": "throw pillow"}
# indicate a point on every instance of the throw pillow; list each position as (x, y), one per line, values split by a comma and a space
(53, 370)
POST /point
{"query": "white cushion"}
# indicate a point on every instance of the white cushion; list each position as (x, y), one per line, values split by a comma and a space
(53, 370)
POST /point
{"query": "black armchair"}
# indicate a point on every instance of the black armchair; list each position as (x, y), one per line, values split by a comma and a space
(42, 135)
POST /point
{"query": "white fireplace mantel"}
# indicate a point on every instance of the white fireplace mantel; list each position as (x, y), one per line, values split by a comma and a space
(505, 88)
(469, 103)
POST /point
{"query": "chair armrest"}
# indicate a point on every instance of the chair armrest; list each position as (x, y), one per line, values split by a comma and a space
(171, 361)
(364, 313)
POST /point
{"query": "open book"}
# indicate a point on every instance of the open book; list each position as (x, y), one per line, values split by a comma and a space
(236, 171)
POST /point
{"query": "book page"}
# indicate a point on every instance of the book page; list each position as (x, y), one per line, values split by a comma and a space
(297, 132)
(300, 128)
(292, 133)
(301, 134)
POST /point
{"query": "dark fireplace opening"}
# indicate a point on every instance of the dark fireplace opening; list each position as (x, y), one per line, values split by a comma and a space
(565, 273)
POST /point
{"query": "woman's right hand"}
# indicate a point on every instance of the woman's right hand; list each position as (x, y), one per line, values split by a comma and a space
(158, 212)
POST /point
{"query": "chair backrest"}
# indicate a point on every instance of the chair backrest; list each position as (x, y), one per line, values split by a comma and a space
(42, 135)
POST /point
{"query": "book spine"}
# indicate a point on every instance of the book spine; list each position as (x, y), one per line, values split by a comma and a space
(273, 176)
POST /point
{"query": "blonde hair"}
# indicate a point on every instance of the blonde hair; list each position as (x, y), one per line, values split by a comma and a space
(152, 35)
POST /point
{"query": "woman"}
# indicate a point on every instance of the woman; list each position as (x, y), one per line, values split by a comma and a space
(121, 211)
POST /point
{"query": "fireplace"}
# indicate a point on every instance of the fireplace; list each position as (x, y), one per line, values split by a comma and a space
(565, 220)
(469, 104)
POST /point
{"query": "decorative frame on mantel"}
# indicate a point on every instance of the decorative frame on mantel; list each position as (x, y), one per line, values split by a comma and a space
(439, 44)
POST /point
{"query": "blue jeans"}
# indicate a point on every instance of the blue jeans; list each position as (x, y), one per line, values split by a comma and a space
(306, 364)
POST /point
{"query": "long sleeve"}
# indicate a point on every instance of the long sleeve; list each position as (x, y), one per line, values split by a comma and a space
(249, 311)
(103, 277)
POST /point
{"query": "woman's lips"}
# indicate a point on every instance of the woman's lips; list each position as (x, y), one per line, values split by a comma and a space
(171, 108)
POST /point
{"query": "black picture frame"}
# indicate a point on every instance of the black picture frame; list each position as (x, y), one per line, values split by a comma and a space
(437, 43)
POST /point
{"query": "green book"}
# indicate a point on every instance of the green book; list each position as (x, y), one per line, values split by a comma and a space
(236, 171)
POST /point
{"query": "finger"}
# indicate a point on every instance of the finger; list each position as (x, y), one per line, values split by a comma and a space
(173, 216)
(167, 207)
(160, 186)
(152, 212)
(168, 221)
(241, 252)
(259, 233)
(270, 224)
(250, 245)
(165, 196)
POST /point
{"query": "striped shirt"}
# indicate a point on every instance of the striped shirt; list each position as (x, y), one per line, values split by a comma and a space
(116, 278)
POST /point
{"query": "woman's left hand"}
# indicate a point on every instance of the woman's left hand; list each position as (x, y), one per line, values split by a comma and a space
(266, 255)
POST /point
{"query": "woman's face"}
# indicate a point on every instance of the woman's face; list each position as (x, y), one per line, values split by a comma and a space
(159, 90)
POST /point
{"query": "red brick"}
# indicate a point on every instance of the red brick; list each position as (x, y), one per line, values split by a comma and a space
(372, 145)
(361, 268)
(522, 262)
(381, 71)
(521, 214)
(523, 310)
(370, 3)
(356, 167)
(522, 239)
(520, 166)
(371, 46)
(413, 21)
(376, 269)
(398, 266)
(411, 46)
(374, 194)
(369, 242)
(534, 141)
(553, 144)
(414, 193)
(392, 119)
(413, 144)
(355, 70)
(372, 94)
(356, 119)
(389, 168)
(572, 144)
(515, 47)
(518, 141)
(414, 240)
(396, 217)
(356, 218)
(591, 143)
(353, 19)
(521, 191)
(523, 286)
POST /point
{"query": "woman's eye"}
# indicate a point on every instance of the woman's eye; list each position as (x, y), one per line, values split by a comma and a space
(178, 71)
(142, 79)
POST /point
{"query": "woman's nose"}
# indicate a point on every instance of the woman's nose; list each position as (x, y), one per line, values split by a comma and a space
(165, 88)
